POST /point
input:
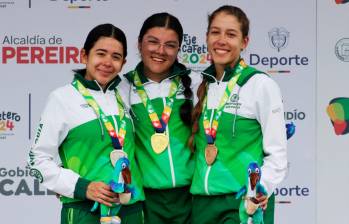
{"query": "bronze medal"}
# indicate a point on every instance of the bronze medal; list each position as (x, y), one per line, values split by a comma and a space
(124, 198)
(251, 206)
(210, 154)
(159, 142)
(115, 155)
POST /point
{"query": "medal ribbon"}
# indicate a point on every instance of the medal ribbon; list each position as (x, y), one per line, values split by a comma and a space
(211, 131)
(117, 139)
(158, 124)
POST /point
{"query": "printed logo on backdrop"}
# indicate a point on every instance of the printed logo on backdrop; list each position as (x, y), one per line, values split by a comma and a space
(37, 49)
(285, 194)
(342, 49)
(279, 39)
(80, 4)
(9, 4)
(6, 4)
(341, 1)
(8, 123)
(294, 115)
(290, 129)
(291, 118)
(338, 111)
(194, 54)
(19, 181)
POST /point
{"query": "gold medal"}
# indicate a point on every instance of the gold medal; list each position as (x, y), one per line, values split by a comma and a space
(210, 154)
(115, 155)
(159, 142)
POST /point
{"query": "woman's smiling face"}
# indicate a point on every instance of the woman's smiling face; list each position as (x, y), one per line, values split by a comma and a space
(159, 48)
(104, 61)
(225, 40)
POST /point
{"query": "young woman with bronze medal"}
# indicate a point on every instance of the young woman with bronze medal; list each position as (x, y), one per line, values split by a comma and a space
(238, 120)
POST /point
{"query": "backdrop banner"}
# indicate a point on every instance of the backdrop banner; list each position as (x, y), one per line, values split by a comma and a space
(303, 45)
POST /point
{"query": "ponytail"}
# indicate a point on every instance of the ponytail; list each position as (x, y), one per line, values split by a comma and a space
(187, 107)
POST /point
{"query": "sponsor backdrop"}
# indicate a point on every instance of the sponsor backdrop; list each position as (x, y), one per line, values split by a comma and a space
(332, 110)
(303, 45)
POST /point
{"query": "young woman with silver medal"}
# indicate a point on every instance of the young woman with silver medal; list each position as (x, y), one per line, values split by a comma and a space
(86, 126)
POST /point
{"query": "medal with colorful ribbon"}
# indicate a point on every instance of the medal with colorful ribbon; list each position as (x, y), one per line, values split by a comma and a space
(211, 150)
(159, 140)
(116, 138)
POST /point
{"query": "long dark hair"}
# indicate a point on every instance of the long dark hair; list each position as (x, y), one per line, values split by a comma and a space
(169, 21)
(244, 28)
(103, 30)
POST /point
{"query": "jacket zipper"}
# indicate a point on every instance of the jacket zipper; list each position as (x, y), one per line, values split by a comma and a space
(170, 153)
(209, 167)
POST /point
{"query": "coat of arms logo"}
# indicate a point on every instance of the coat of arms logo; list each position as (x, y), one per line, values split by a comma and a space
(278, 37)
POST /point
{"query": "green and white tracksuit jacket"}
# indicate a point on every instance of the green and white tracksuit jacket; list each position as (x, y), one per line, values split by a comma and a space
(70, 132)
(174, 167)
(251, 128)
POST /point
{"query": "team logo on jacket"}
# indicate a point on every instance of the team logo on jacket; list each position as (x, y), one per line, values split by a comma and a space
(278, 38)
(338, 111)
(342, 49)
(234, 98)
(38, 133)
(36, 173)
(233, 102)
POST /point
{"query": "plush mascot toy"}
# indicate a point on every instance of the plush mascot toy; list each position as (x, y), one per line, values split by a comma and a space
(249, 210)
(120, 183)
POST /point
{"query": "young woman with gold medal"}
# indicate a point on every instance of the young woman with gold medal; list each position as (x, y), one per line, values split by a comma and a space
(161, 101)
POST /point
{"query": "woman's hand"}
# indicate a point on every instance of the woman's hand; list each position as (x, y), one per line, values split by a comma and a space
(101, 192)
(263, 201)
